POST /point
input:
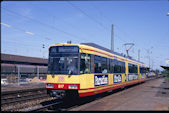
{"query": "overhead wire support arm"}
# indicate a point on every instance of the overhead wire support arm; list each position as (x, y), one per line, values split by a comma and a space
(127, 49)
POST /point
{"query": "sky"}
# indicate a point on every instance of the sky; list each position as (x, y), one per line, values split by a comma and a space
(27, 25)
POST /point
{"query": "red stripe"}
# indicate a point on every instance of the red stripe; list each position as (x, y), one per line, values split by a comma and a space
(65, 87)
(106, 89)
(110, 85)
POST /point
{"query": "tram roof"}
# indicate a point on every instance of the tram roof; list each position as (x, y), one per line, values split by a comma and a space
(99, 47)
(108, 50)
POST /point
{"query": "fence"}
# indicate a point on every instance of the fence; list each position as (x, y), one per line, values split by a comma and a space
(14, 73)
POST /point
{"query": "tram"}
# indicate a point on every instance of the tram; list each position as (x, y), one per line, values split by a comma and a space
(88, 69)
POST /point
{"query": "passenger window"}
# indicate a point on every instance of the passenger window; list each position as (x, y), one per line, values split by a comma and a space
(111, 66)
(119, 66)
(104, 65)
(85, 62)
(97, 64)
(142, 70)
(132, 68)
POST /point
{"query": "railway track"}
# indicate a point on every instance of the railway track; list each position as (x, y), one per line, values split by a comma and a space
(22, 95)
(23, 98)
(45, 106)
(31, 94)
(66, 107)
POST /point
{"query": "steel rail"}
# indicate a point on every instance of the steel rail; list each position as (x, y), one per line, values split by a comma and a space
(46, 106)
(24, 98)
(21, 91)
(18, 95)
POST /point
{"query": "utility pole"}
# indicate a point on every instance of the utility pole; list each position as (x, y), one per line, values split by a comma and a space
(139, 55)
(112, 38)
(18, 67)
(149, 52)
(43, 46)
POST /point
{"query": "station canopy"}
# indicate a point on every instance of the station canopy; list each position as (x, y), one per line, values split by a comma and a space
(165, 67)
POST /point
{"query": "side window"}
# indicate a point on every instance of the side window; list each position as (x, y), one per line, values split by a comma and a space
(123, 67)
(129, 68)
(111, 66)
(104, 65)
(142, 70)
(117, 66)
(135, 69)
(85, 61)
(132, 68)
(97, 64)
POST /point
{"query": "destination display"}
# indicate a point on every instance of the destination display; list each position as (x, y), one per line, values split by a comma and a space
(100, 80)
(132, 77)
(64, 49)
(68, 49)
(117, 78)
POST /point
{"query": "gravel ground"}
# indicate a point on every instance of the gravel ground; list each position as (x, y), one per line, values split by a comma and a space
(143, 97)
(151, 95)
(15, 87)
(24, 106)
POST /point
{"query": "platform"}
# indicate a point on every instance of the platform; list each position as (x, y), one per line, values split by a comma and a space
(151, 95)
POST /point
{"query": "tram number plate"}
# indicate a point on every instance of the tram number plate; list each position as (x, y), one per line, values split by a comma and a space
(61, 86)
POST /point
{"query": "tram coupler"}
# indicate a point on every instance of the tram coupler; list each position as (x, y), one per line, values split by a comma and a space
(57, 93)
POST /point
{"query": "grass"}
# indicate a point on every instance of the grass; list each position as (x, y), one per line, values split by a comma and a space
(166, 78)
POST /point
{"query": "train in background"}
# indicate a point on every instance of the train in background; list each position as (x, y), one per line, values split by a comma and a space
(80, 70)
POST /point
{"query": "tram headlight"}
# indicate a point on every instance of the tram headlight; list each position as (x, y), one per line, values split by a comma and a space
(72, 86)
(50, 86)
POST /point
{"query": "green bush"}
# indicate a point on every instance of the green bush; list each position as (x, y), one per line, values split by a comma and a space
(166, 74)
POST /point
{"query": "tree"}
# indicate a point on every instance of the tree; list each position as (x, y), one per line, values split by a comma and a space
(165, 72)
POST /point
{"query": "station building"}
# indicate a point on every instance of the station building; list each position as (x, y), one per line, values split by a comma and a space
(11, 65)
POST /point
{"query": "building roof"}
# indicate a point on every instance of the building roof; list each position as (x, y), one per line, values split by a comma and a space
(22, 59)
(165, 67)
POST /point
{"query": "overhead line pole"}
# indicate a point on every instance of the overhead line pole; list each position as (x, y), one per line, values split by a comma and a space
(112, 38)
(139, 55)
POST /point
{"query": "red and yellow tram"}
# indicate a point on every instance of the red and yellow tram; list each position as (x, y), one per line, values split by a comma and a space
(88, 69)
